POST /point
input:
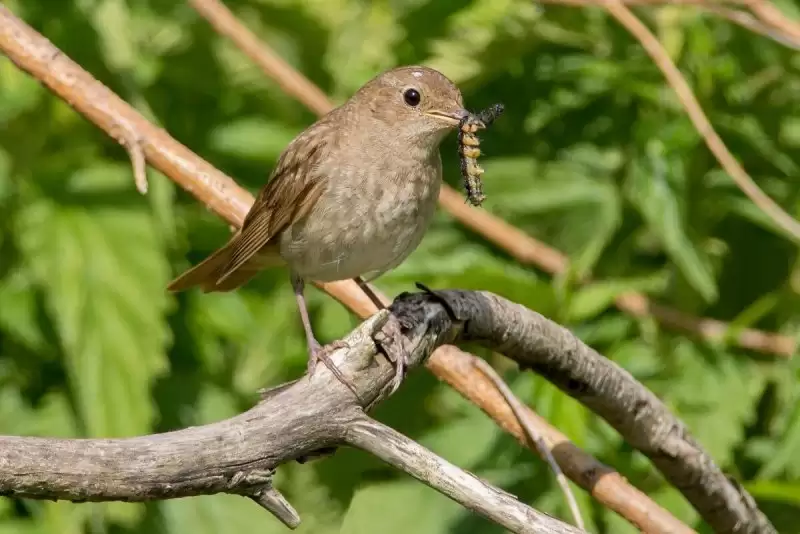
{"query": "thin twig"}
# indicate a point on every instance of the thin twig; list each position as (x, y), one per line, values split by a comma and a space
(275, 503)
(467, 489)
(518, 244)
(535, 439)
(715, 144)
(128, 139)
(772, 16)
(771, 22)
(601, 481)
(749, 22)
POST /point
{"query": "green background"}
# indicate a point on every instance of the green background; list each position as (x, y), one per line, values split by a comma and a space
(594, 155)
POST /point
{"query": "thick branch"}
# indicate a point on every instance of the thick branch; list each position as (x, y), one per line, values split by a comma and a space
(608, 390)
(238, 455)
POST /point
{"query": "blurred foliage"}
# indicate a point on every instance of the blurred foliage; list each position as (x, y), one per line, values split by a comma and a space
(594, 155)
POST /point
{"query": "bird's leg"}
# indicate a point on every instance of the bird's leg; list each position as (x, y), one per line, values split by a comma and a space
(369, 292)
(399, 356)
(317, 352)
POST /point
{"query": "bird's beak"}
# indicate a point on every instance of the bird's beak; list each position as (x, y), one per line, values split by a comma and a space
(453, 117)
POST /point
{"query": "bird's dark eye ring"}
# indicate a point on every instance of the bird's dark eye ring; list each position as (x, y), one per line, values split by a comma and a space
(412, 97)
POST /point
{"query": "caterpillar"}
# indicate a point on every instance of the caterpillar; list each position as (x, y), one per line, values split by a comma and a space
(469, 150)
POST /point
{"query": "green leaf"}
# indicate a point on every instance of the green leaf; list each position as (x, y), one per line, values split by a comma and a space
(725, 387)
(252, 138)
(790, 131)
(19, 309)
(405, 506)
(657, 201)
(784, 458)
(52, 418)
(104, 276)
(479, 33)
(596, 297)
(18, 91)
(349, 62)
(212, 514)
(775, 490)
(5, 179)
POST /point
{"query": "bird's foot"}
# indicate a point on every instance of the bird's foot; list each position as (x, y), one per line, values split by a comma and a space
(391, 342)
(319, 353)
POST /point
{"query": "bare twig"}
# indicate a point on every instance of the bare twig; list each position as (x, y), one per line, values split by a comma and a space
(750, 22)
(127, 138)
(766, 19)
(275, 503)
(536, 439)
(518, 244)
(715, 144)
(772, 16)
(466, 489)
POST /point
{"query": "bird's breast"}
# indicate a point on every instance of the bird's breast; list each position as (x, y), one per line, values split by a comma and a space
(365, 223)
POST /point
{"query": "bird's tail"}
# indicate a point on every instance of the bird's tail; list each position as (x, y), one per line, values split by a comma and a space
(212, 273)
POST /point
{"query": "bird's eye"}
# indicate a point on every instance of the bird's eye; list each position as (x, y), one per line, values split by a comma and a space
(412, 97)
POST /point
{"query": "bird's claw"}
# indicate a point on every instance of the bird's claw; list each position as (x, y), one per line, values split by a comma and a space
(391, 342)
(319, 353)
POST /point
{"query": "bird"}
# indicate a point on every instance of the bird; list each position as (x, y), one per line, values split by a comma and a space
(350, 197)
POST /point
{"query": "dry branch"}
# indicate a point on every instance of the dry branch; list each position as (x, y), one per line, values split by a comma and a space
(239, 455)
(515, 242)
(36, 55)
(611, 392)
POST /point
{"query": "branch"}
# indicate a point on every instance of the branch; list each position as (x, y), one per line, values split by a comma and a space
(533, 435)
(461, 486)
(765, 20)
(550, 350)
(239, 455)
(750, 22)
(772, 16)
(457, 368)
(518, 244)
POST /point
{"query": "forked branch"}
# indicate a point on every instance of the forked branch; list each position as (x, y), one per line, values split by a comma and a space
(238, 455)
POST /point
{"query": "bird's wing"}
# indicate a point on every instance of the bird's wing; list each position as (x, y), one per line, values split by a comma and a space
(290, 195)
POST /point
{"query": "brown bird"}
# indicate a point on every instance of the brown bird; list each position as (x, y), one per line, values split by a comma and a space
(350, 197)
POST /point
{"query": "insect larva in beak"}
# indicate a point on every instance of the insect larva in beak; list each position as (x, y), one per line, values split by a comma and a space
(469, 150)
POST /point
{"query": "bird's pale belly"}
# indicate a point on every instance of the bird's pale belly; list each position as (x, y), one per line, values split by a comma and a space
(336, 244)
